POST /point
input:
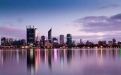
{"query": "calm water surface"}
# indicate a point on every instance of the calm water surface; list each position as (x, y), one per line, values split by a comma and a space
(60, 62)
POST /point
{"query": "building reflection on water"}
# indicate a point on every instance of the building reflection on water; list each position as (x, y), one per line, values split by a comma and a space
(69, 55)
(35, 57)
(31, 60)
(12, 56)
(62, 58)
(50, 59)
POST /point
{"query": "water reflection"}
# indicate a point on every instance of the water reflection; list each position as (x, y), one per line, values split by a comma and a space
(69, 55)
(12, 56)
(62, 58)
(50, 58)
(31, 61)
(46, 61)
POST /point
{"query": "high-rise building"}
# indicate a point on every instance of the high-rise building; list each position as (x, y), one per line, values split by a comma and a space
(36, 34)
(10, 41)
(81, 42)
(69, 39)
(74, 42)
(102, 43)
(32, 35)
(114, 41)
(55, 40)
(42, 41)
(50, 35)
(110, 43)
(23, 42)
(3, 41)
(61, 39)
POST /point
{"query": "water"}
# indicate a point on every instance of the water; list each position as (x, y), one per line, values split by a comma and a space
(60, 62)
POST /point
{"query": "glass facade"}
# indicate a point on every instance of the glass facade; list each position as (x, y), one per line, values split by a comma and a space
(32, 35)
(61, 39)
(69, 39)
(50, 35)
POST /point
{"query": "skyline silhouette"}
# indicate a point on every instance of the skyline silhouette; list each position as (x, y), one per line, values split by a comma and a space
(83, 19)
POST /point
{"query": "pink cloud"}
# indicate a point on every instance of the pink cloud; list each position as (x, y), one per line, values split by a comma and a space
(12, 31)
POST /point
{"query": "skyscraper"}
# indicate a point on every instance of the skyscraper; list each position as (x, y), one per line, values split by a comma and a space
(55, 40)
(61, 39)
(4, 41)
(36, 34)
(69, 39)
(50, 35)
(10, 41)
(114, 41)
(32, 35)
(42, 41)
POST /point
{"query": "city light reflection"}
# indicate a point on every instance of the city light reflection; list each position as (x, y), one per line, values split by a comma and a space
(40, 60)
(55, 55)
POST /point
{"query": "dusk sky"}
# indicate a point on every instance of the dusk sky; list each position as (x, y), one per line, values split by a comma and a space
(85, 19)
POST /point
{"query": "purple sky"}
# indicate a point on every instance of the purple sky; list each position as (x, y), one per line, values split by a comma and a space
(85, 19)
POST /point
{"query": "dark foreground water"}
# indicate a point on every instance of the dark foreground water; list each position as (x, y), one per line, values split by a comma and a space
(60, 62)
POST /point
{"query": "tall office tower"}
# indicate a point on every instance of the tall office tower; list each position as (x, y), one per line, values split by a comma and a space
(61, 39)
(110, 43)
(36, 35)
(69, 39)
(42, 42)
(81, 43)
(74, 42)
(32, 35)
(50, 35)
(10, 41)
(3, 41)
(55, 40)
(114, 41)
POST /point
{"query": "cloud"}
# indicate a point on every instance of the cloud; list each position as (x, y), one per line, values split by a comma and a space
(118, 16)
(12, 31)
(100, 23)
(101, 26)
(110, 5)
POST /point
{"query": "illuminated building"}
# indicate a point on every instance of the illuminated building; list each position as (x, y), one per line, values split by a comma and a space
(36, 35)
(81, 42)
(4, 41)
(102, 43)
(74, 43)
(10, 41)
(110, 43)
(114, 41)
(17, 42)
(50, 35)
(55, 42)
(69, 39)
(32, 35)
(23, 42)
(61, 39)
(42, 41)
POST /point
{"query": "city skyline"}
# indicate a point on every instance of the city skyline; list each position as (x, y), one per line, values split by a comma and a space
(83, 19)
